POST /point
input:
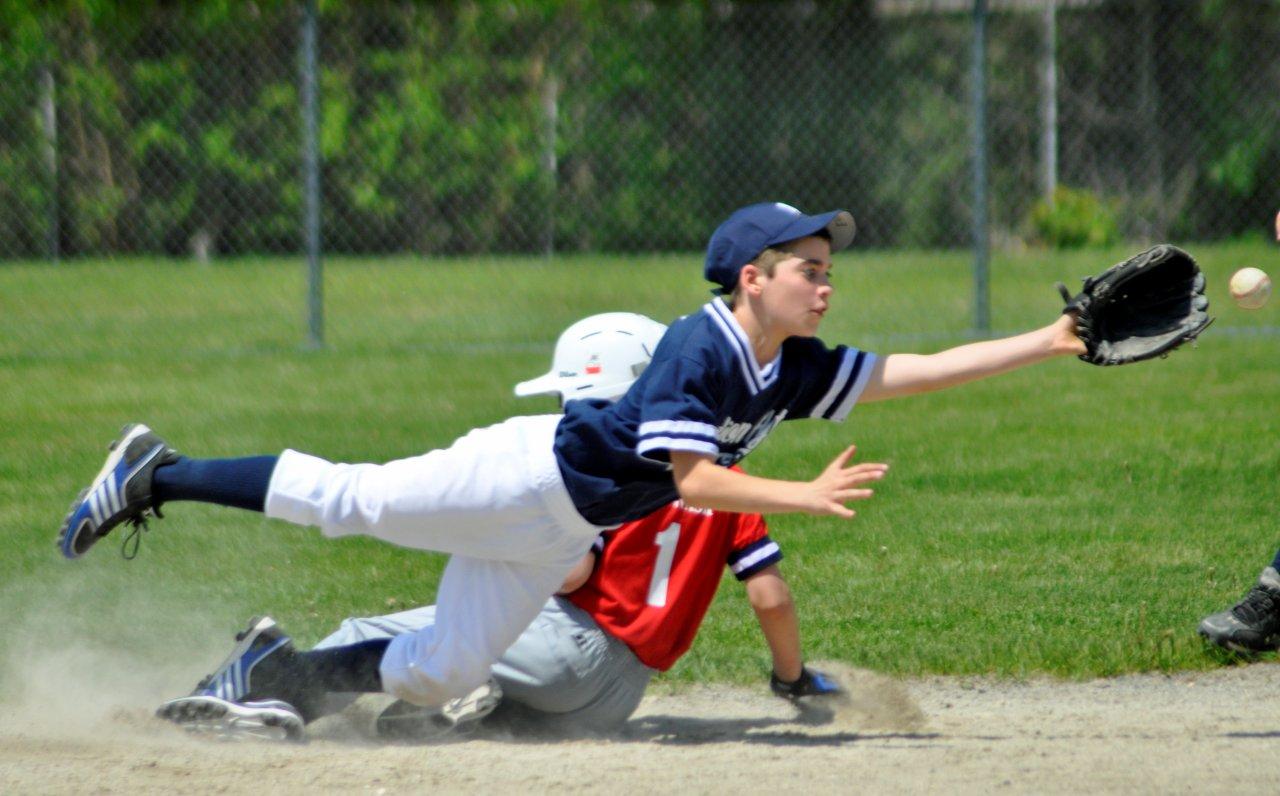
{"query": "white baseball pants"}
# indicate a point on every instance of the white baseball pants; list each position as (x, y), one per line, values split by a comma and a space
(494, 499)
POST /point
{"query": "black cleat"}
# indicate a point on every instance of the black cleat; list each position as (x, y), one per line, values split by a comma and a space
(1253, 624)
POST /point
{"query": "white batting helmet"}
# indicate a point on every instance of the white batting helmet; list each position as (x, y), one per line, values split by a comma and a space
(598, 357)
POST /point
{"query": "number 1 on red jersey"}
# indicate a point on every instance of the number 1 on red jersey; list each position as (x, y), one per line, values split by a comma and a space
(666, 542)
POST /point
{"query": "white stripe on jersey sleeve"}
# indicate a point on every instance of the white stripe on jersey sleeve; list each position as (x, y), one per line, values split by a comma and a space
(860, 384)
(747, 561)
(842, 378)
(842, 375)
(690, 428)
(677, 444)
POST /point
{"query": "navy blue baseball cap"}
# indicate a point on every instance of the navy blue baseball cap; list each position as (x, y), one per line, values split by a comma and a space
(755, 228)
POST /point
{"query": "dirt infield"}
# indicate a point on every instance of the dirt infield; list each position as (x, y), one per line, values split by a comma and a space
(1149, 733)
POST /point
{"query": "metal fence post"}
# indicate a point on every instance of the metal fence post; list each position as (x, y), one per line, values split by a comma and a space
(981, 243)
(1148, 111)
(550, 119)
(49, 123)
(311, 179)
(1049, 101)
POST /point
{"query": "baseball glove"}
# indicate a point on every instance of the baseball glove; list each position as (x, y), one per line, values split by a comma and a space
(1141, 308)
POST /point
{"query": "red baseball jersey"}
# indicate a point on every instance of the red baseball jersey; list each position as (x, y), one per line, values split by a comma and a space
(655, 577)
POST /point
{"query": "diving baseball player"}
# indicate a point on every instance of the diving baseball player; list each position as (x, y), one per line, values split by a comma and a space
(635, 607)
(518, 504)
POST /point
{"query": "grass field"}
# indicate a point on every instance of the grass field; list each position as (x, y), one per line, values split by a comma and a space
(1069, 520)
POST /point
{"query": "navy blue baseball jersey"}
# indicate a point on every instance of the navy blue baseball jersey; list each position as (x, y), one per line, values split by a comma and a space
(703, 392)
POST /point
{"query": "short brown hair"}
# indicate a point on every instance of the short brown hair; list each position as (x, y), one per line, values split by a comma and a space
(766, 261)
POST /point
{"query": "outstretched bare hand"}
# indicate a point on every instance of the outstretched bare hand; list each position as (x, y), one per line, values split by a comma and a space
(840, 483)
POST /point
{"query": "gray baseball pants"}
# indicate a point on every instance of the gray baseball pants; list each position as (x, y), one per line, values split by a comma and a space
(563, 670)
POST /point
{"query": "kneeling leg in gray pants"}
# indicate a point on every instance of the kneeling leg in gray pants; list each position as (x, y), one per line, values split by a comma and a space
(563, 670)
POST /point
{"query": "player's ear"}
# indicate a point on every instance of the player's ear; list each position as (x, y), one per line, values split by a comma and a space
(750, 279)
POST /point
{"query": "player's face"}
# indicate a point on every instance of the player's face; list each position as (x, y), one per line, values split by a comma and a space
(796, 296)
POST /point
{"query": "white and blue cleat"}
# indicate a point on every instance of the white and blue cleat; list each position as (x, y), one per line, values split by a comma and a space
(230, 680)
(121, 492)
(209, 716)
(218, 705)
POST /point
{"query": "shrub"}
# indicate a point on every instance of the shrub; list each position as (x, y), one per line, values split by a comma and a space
(1075, 219)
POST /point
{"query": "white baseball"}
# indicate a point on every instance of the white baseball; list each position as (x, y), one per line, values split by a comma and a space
(1250, 287)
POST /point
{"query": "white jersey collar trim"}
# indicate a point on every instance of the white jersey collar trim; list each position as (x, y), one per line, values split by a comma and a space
(757, 378)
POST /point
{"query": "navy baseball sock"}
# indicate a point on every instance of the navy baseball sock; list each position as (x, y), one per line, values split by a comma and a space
(304, 679)
(353, 668)
(241, 483)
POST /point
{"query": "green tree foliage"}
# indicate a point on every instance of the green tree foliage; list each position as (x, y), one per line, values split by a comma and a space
(440, 121)
(26, 189)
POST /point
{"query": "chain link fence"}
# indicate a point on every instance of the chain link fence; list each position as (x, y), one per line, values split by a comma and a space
(452, 128)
